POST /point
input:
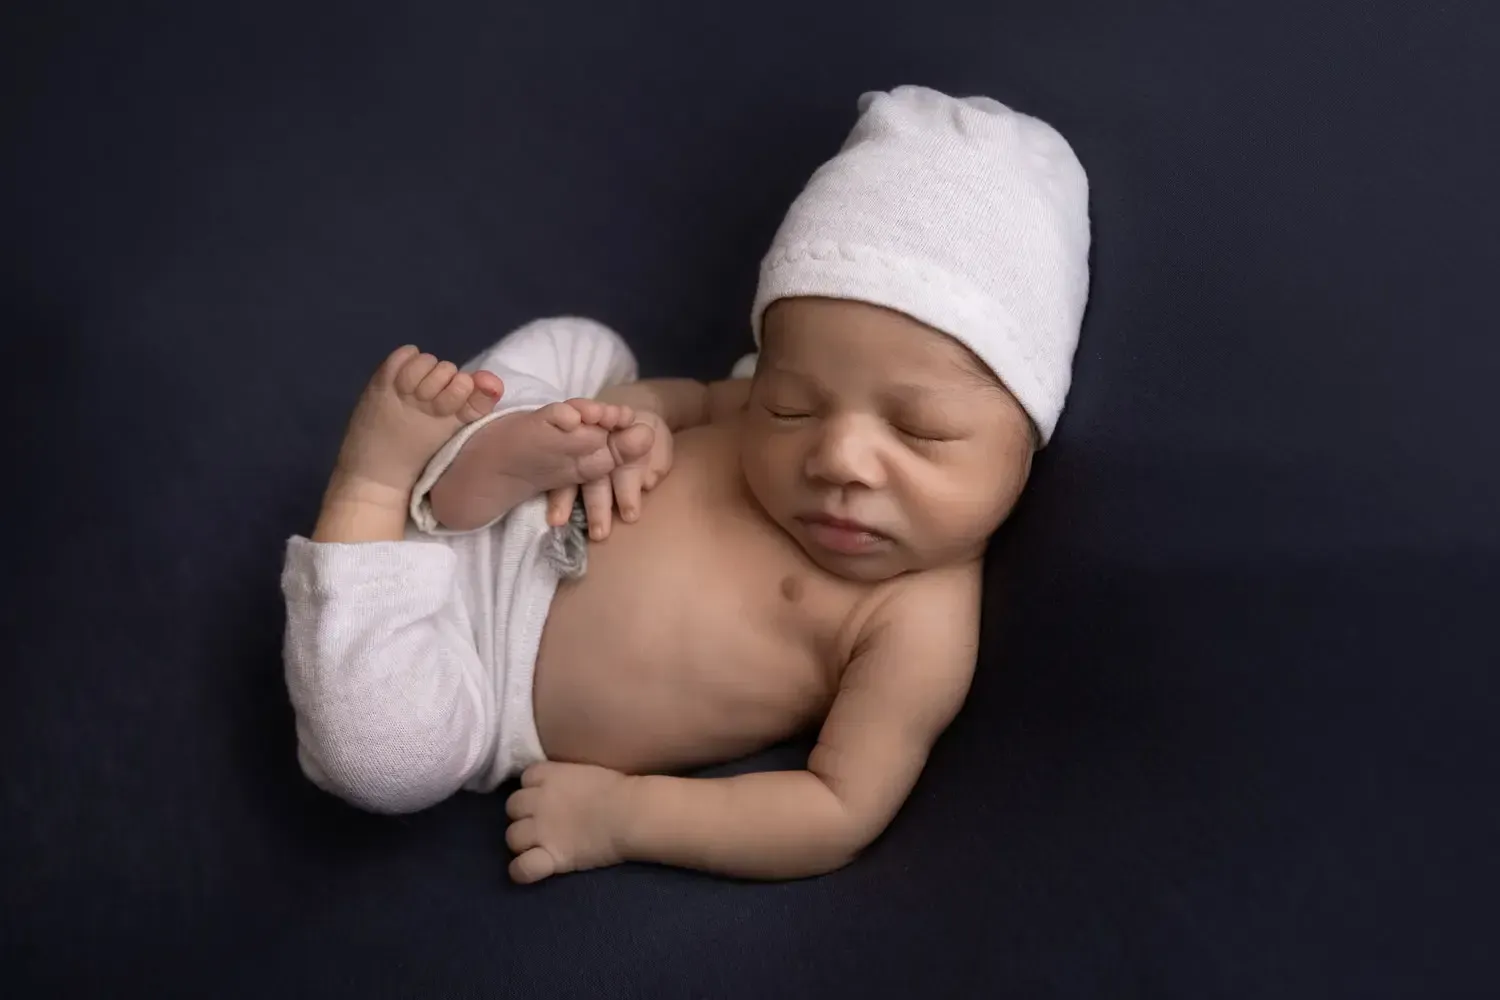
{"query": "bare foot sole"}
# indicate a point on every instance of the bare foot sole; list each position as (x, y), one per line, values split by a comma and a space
(522, 455)
(411, 407)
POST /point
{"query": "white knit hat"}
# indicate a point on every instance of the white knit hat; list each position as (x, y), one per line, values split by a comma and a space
(960, 213)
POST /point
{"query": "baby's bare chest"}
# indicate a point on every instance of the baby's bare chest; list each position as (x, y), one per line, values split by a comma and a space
(704, 572)
(701, 616)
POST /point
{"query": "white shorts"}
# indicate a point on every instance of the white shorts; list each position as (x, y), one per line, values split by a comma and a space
(410, 664)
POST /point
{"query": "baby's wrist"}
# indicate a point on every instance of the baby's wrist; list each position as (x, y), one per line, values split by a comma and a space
(626, 813)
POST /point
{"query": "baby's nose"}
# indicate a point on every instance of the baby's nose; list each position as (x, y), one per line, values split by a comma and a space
(846, 454)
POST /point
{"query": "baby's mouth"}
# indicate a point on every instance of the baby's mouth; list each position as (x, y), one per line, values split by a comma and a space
(842, 536)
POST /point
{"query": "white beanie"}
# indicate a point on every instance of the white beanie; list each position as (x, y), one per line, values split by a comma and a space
(960, 213)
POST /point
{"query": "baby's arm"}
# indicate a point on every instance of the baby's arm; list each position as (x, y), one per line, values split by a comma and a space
(681, 402)
(727, 399)
(677, 403)
(906, 681)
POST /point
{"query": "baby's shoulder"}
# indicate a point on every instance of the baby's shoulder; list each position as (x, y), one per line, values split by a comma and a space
(918, 647)
(935, 610)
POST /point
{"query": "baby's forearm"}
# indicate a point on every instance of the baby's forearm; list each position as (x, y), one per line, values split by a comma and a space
(680, 402)
(727, 399)
(769, 825)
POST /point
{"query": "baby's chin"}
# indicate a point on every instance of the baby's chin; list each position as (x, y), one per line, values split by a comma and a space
(855, 568)
(875, 562)
(884, 561)
(861, 569)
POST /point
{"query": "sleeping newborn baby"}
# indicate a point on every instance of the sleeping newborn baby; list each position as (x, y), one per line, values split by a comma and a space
(808, 553)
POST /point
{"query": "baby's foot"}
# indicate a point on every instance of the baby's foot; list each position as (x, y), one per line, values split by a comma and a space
(522, 455)
(413, 404)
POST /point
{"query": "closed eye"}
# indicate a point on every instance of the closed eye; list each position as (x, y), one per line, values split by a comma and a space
(779, 414)
(925, 434)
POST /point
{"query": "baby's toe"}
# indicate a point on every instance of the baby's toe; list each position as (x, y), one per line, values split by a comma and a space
(413, 371)
(453, 395)
(591, 410)
(435, 381)
(489, 383)
(487, 392)
(563, 416)
(395, 361)
(615, 416)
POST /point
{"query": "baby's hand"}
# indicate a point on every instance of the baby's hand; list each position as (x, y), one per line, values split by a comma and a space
(621, 489)
(565, 818)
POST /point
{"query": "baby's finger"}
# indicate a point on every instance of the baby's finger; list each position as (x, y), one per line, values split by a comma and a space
(521, 836)
(522, 803)
(560, 505)
(627, 483)
(598, 502)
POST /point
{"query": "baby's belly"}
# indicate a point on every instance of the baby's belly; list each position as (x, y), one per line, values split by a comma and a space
(600, 700)
(682, 645)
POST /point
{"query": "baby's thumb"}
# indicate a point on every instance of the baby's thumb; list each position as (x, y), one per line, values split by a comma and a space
(533, 866)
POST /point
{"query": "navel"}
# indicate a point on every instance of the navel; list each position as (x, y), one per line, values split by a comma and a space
(791, 588)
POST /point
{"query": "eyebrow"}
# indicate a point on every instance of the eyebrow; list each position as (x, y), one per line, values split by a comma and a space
(911, 393)
(778, 368)
(907, 393)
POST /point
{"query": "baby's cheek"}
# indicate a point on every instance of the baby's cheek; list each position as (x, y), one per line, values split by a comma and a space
(768, 471)
(970, 504)
(779, 456)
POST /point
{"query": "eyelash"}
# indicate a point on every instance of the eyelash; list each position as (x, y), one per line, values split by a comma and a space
(924, 438)
(789, 417)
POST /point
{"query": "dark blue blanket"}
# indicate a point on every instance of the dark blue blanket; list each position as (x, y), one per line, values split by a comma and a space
(1233, 733)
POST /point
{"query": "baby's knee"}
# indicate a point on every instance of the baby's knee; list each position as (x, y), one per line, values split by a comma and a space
(386, 760)
(564, 333)
(574, 355)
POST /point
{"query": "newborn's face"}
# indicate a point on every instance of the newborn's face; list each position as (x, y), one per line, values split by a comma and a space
(879, 444)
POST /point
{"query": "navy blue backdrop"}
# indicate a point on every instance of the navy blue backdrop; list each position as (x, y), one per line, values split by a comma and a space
(1232, 734)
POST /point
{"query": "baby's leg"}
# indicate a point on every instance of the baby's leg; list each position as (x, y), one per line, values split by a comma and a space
(525, 453)
(549, 435)
(413, 404)
(394, 706)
